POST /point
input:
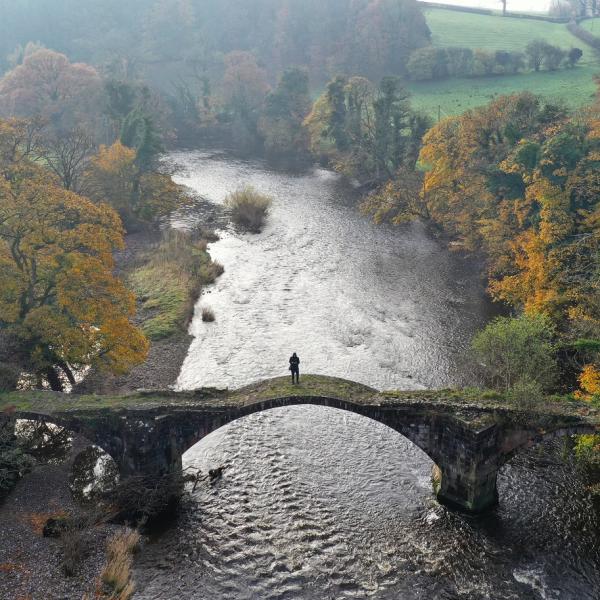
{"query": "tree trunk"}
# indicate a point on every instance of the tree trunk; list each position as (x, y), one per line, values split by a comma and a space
(67, 371)
(54, 380)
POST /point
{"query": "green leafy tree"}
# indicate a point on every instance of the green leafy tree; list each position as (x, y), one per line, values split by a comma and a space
(140, 133)
(535, 52)
(516, 351)
(368, 132)
(283, 116)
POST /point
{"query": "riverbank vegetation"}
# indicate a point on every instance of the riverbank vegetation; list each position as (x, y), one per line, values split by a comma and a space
(517, 183)
(518, 352)
(61, 307)
(116, 575)
(169, 280)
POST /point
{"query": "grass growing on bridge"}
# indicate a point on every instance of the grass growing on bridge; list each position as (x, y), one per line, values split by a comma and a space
(473, 406)
(280, 387)
(310, 385)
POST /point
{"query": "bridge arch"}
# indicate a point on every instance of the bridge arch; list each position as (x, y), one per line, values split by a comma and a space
(468, 439)
(417, 431)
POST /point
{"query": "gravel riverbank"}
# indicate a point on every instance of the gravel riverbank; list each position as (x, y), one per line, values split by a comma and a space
(31, 564)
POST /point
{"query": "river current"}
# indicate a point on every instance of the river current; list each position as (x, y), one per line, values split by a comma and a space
(319, 504)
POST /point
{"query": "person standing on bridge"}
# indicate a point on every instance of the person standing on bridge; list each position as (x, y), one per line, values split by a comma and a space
(295, 368)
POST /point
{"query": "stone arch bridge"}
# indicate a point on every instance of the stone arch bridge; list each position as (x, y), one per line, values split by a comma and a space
(468, 435)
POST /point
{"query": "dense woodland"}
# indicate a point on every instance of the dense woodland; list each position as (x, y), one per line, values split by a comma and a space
(370, 37)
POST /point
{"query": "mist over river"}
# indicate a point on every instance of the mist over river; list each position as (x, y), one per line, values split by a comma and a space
(319, 504)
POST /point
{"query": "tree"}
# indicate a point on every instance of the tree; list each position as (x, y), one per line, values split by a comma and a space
(399, 200)
(20, 53)
(112, 177)
(121, 99)
(50, 86)
(371, 131)
(517, 181)
(553, 57)
(573, 56)
(115, 177)
(58, 295)
(381, 36)
(285, 110)
(169, 31)
(244, 91)
(535, 52)
(518, 350)
(67, 156)
(140, 133)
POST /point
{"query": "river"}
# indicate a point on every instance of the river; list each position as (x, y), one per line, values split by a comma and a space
(319, 504)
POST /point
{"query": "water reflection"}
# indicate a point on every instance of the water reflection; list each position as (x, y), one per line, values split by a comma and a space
(316, 503)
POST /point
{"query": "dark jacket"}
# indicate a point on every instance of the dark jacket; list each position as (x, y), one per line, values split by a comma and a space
(294, 363)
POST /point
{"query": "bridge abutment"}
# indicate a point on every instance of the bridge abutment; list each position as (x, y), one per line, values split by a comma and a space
(472, 493)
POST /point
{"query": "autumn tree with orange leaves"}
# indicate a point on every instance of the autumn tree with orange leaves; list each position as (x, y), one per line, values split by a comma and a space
(517, 181)
(48, 85)
(59, 298)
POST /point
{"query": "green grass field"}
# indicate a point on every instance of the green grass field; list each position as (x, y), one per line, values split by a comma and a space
(573, 87)
(592, 25)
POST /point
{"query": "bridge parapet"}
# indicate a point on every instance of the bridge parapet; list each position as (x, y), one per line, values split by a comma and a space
(468, 437)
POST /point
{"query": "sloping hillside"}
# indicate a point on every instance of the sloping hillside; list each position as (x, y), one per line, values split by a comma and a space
(574, 87)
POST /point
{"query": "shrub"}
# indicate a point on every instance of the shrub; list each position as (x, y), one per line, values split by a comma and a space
(74, 541)
(573, 56)
(142, 499)
(208, 315)
(248, 208)
(512, 351)
(431, 63)
(525, 394)
(14, 462)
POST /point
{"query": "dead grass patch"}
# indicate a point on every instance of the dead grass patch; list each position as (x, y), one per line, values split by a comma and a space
(116, 575)
(37, 520)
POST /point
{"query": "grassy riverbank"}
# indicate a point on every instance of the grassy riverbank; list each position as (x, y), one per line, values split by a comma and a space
(167, 274)
(170, 280)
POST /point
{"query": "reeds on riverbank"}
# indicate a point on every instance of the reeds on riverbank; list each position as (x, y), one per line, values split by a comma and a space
(116, 576)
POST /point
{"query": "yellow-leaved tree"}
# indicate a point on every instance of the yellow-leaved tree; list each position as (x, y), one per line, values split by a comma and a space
(59, 299)
(115, 177)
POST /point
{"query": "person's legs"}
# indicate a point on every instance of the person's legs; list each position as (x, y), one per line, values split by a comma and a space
(292, 376)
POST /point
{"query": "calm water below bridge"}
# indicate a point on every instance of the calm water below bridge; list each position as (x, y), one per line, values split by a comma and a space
(320, 504)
